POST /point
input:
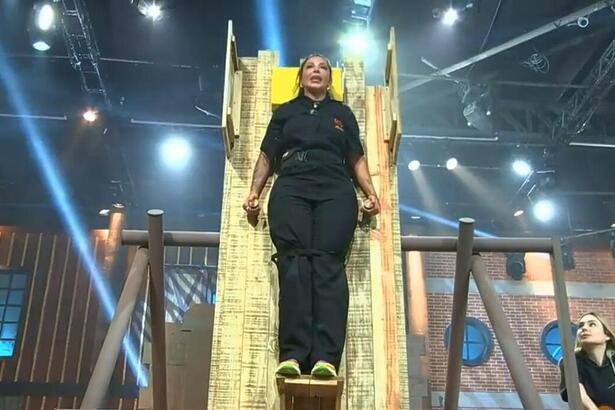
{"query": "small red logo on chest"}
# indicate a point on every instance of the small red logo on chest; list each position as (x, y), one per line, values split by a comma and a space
(338, 124)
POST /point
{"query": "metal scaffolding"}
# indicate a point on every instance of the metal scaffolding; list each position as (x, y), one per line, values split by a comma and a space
(82, 49)
(547, 28)
(585, 101)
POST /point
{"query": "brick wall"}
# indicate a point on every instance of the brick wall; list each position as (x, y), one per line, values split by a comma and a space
(592, 267)
(527, 315)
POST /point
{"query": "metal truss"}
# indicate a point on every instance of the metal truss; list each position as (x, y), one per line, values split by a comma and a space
(82, 49)
(514, 121)
(359, 12)
(585, 101)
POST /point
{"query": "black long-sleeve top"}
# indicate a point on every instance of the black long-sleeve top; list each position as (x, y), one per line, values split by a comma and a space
(310, 145)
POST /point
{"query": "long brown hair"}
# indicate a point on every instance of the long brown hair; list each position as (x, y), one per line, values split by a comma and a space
(610, 344)
(302, 67)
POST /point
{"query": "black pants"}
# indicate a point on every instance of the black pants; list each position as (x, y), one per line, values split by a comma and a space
(312, 238)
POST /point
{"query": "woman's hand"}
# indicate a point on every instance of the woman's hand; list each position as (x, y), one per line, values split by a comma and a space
(371, 206)
(252, 208)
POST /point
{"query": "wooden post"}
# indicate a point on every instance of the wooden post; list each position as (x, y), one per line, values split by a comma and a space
(156, 298)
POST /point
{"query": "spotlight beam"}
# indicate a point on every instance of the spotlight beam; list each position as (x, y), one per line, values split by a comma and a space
(271, 28)
(62, 199)
(425, 191)
(438, 219)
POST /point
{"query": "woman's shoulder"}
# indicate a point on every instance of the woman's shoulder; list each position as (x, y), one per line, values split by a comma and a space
(284, 110)
(342, 106)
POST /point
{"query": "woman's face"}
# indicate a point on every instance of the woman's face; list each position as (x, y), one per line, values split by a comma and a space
(316, 76)
(591, 331)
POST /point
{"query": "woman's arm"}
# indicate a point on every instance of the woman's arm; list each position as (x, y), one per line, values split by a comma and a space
(364, 180)
(355, 157)
(262, 171)
(362, 177)
(587, 402)
(263, 168)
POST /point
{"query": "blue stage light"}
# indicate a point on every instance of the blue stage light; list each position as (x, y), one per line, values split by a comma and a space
(442, 221)
(271, 27)
(62, 199)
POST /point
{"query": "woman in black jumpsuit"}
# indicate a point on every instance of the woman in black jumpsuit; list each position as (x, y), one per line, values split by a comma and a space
(312, 143)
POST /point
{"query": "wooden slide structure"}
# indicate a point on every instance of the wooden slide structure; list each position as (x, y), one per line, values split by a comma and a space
(373, 373)
(374, 368)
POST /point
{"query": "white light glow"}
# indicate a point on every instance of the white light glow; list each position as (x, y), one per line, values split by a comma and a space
(356, 42)
(544, 210)
(175, 152)
(153, 11)
(90, 115)
(45, 17)
(452, 163)
(414, 165)
(41, 46)
(519, 212)
(521, 167)
(450, 16)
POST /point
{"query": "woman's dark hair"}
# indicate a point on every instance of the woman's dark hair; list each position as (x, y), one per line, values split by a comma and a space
(302, 67)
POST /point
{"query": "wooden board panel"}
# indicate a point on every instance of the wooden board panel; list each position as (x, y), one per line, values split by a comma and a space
(386, 257)
(244, 346)
(358, 367)
(392, 118)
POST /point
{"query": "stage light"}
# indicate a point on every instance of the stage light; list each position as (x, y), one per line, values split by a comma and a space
(90, 115)
(519, 212)
(356, 41)
(153, 11)
(515, 265)
(567, 255)
(450, 16)
(613, 225)
(103, 212)
(414, 165)
(452, 163)
(175, 152)
(41, 45)
(41, 25)
(583, 22)
(148, 8)
(521, 167)
(477, 109)
(45, 17)
(544, 210)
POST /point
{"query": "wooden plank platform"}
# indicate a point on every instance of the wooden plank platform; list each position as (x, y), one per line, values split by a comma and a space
(306, 392)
